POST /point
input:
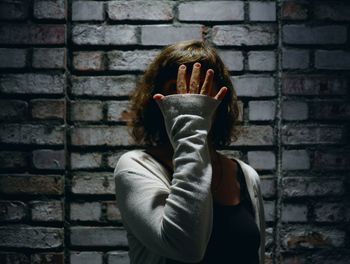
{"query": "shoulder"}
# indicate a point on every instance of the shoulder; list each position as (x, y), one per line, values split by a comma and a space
(130, 159)
(138, 161)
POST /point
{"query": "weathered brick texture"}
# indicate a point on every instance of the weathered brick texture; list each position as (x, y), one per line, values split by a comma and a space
(212, 11)
(69, 67)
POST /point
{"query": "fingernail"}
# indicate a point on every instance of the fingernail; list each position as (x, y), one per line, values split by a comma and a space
(182, 67)
(197, 64)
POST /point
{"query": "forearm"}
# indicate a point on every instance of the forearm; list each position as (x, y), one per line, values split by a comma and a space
(190, 200)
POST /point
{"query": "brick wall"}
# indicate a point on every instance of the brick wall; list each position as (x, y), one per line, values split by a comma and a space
(67, 68)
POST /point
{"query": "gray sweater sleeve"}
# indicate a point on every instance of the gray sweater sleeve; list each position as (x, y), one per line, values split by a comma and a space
(178, 224)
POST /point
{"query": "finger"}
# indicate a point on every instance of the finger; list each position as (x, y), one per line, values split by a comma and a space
(181, 80)
(195, 77)
(208, 82)
(158, 97)
(221, 94)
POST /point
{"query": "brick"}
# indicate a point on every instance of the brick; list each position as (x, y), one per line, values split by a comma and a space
(292, 10)
(48, 109)
(262, 110)
(113, 159)
(14, 10)
(295, 59)
(254, 85)
(314, 85)
(13, 159)
(85, 211)
(13, 110)
(295, 110)
(86, 111)
(136, 60)
(98, 236)
(49, 159)
(31, 134)
(302, 34)
(331, 160)
(12, 58)
(301, 134)
(21, 236)
(261, 61)
(12, 211)
(121, 85)
(93, 183)
(332, 59)
(310, 186)
(262, 11)
(247, 35)
(47, 258)
(330, 110)
(328, 212)
(13, 258)
(112, 212)
(294, 213)
(211, 11)
(32, 184)
(118, 257)
(159, 35)
(296, 159)
(311, 237)
(87, 11)
(100, 136)
(269, 210)
(255, 135)
(86, 257)
(104, 34)
(268, 186)
(233, 60)
(47, 211)
(32, 83)
(117, 111)
(262, 160)
(332, 10)
(49, 58)
(85, 160)
(49, 9)
(32, 34)
(141, 10)
(88, 61)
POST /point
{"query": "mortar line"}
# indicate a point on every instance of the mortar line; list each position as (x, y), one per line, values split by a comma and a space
(277, 253)
(67, 181)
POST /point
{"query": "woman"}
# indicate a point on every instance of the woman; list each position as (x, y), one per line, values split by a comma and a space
(180, 200)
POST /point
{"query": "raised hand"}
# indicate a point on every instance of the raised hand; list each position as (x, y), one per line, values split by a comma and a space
(194, 83)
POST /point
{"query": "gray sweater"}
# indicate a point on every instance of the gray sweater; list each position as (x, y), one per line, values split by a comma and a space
(173, 218)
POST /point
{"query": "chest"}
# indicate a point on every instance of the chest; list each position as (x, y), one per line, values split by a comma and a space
(226, 186)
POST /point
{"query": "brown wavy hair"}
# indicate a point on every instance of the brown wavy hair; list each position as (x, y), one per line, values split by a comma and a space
(146, 120)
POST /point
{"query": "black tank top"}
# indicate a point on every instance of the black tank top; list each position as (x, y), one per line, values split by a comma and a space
(235, 237)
